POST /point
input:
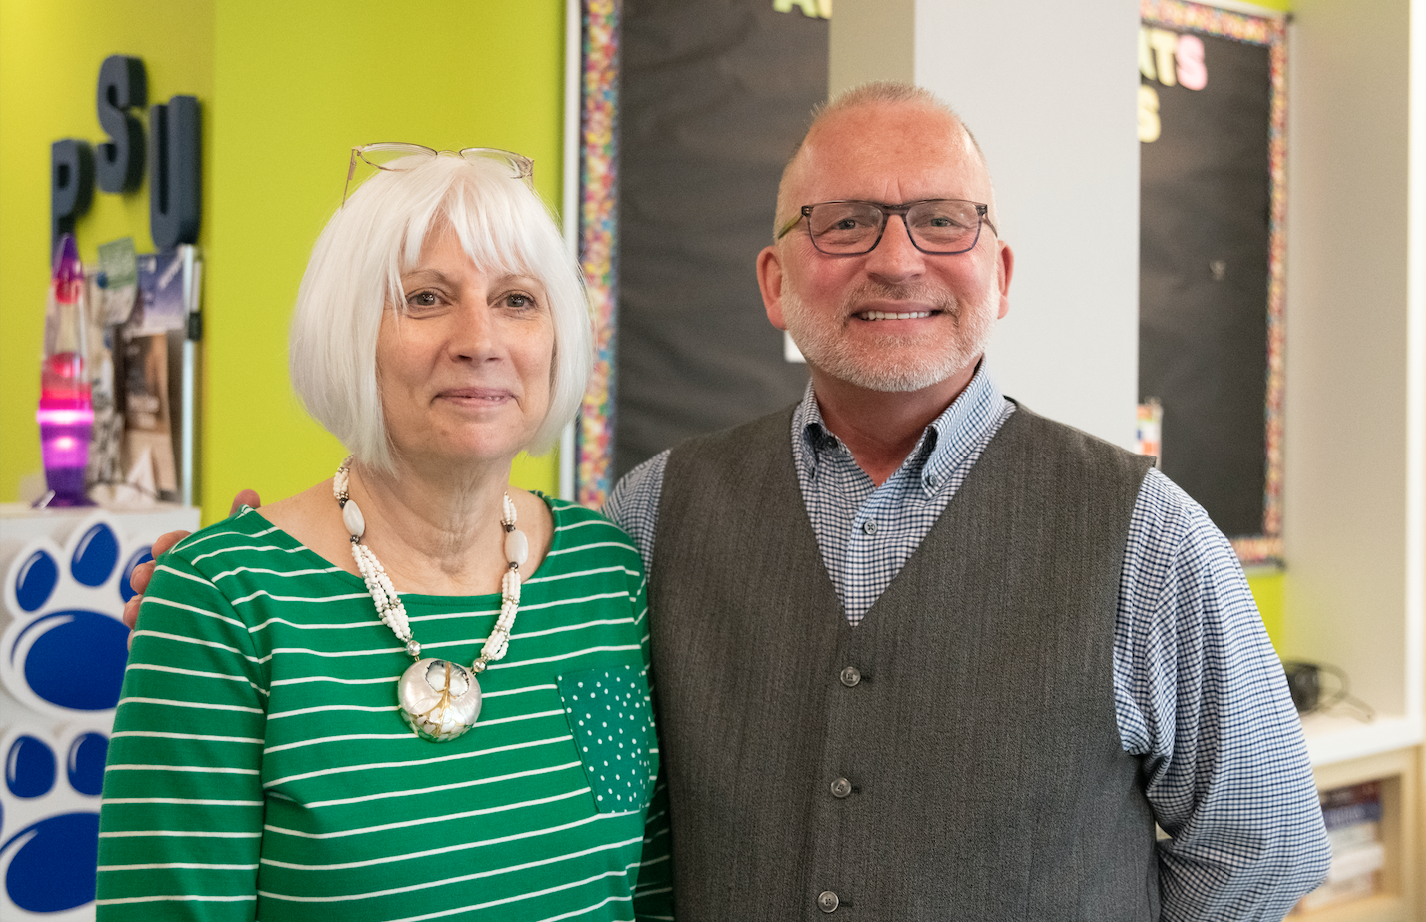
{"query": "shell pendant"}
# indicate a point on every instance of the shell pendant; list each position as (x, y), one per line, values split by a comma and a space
(439, 699)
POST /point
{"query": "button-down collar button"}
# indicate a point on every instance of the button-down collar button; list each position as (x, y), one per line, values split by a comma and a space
(851, 676)
(841, 788)
(827, 901)
(869, 527)
(932, 480)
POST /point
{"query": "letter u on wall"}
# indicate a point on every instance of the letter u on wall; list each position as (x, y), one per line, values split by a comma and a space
(175, 177)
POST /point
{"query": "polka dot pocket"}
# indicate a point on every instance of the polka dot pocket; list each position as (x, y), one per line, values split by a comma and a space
(609, 714)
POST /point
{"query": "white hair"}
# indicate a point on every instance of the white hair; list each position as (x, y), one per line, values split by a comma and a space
(355, 272)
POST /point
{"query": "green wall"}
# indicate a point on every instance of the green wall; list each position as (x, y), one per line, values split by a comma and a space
(49, 66)
(287, 89)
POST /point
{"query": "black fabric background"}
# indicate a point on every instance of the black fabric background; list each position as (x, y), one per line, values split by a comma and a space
(1203, 342)
(714, 96)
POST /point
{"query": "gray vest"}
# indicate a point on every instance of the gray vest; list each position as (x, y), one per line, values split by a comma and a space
(954, 757)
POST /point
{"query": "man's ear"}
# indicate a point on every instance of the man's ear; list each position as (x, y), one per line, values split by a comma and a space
(1003, 270)
(770, 284)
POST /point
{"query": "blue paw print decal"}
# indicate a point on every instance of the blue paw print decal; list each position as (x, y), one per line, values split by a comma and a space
(64, 651)
(49, 823)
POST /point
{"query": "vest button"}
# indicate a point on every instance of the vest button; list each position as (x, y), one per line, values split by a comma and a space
(841, 788)
(827, 901)
(851, 676)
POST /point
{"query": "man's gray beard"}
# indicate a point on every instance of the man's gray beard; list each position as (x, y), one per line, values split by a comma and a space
(827, 350)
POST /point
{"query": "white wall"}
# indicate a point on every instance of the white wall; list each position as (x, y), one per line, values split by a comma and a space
(1351, 514)
(1050, 90)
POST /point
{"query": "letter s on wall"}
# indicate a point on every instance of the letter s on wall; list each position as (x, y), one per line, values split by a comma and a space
(123, 85)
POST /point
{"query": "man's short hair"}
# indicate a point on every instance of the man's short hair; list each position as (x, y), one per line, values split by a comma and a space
(871, 93)
(355, 272)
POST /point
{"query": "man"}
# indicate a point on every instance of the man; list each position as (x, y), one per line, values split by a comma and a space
(921, 654)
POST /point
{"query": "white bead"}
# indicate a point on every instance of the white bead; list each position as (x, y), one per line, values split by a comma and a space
(352, 519)
(517, 547)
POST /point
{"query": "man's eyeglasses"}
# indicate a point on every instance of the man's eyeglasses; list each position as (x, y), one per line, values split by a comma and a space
(388, 155)
(940, 227)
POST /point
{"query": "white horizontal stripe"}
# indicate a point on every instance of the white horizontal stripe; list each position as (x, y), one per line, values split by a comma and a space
(429, 820)
(169, 603)
(581, 600)
(348, 737)
(457, 880)
(183, 865)
(434, 760)
(177, 834)
(588, 909)
(192, 577)
(455, 847)
(585, 523)
(191, 542)
(583, 548)
(260, 548)
(200, 705)
(516, 718)
(179, 800)
(573, 574)
(524, 689)
(202, 737)
(298, 598)
(302, 744)
(167, 702)
(196, 673)
(312, 571)
(346, 654)
(200, 769)
(184, 638)
(373, 621)
(180, 898)
(602, 622)
(334, 708)
(474, 782)
(564, 656)
(305, 680)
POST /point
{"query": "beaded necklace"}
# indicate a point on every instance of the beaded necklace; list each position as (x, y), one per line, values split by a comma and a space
(439, 699)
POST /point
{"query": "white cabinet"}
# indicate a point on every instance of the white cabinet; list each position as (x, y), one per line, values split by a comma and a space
(62, 656)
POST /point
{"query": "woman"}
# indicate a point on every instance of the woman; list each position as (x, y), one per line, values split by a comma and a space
(411, 691)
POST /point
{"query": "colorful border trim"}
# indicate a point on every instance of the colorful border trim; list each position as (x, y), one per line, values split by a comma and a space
(598, 241)
(1178, 14)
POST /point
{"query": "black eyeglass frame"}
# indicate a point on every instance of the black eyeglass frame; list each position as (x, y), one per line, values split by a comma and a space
(886, 212)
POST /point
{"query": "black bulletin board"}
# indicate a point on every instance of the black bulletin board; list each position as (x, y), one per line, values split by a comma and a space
(714, 95)
(1210, 271)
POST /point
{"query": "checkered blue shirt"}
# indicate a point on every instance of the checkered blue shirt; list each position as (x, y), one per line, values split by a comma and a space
(1199, 692)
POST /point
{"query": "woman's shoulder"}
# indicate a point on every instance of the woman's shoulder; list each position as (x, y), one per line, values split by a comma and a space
(244, 534)
(579, 527)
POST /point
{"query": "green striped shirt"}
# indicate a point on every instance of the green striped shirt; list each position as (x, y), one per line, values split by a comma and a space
(259, 767)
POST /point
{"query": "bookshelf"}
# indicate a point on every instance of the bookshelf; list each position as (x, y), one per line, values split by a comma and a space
(1399, 775)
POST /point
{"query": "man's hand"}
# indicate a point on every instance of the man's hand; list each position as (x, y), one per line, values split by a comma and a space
(164, 543)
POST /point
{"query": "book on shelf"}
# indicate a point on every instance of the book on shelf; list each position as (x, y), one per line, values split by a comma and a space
(1352, 816)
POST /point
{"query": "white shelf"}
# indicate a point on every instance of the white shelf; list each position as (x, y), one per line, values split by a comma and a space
(1332, 739)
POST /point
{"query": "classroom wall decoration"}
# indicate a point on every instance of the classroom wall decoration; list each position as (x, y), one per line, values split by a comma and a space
(711, 99)
(1212, 133)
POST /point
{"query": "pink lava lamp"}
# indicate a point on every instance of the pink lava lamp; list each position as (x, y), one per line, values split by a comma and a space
(66, 415)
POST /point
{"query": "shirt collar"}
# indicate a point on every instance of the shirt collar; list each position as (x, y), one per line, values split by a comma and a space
(944, 444)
